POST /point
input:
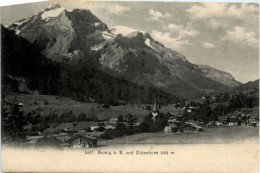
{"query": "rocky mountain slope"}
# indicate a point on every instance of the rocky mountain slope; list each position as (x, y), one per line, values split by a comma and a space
(248, 86)
(121, 51)
(61, 34)
(218, 75)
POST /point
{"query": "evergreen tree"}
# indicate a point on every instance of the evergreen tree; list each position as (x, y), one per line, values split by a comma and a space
(13, 125)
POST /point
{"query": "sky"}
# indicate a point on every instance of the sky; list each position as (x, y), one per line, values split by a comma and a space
(222, 35)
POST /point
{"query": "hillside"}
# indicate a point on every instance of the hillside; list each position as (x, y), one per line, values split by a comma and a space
(248, 86)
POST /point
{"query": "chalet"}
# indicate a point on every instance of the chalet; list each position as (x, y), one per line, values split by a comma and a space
(172, 120)
(68, 130)
(191, 127)
(170, 128)
(109, 127)
(191, 109)
(80, 141)
(243, 124)
(137, 123)
(231, 123)
(83, 131)
(224, 119)
(252, 121)
(94, 128)
(175, 116)
(218, 123)
(113, 120)
(211, 123)
(20, 104)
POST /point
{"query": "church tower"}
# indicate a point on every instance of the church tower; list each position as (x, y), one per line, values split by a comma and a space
(155, 109)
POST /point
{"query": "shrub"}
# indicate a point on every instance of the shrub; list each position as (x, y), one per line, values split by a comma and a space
(105, 106)
(46, 102)
(148, 108)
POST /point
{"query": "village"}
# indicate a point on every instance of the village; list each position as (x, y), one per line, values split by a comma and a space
(179, 121)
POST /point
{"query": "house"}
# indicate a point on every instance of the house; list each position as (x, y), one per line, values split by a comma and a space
(191, 109)
(175, 116)
(190, 127)
(170, 128)
(94, 128)
(172, 120)
(219, 123)
(20, 104)
(211, 123)
(137, 123)
(232, 123)
(243, 124)
(80, 141)
(83, 131)
(68, 130)
(109, 127)
(113, 120)
(252, 122)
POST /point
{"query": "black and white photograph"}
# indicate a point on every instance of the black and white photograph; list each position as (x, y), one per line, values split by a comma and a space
(136, 86)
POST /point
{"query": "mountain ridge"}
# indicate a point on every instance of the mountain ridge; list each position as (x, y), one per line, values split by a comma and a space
(132, 54)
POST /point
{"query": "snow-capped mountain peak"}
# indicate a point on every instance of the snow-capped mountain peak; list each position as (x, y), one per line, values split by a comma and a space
(52, 11)
(125, 31)
(53, 6)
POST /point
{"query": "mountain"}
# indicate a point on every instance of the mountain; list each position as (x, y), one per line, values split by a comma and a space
(23, 63)
(124, 52)
(252, 85)
(61, 34)
(220, 76)
(138, 57)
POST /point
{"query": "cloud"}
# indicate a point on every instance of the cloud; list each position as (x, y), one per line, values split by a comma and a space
(117, 9)
(176, 36)
(181, 30)
(169, 41)
(208, 45)
(157, 15)
(241, 37)
(244, 9)
(214, 24)
(219, 10)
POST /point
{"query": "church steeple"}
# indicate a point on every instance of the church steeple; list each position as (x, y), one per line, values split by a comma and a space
(155, 107)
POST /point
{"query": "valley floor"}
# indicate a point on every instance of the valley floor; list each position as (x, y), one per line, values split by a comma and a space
(214, 135)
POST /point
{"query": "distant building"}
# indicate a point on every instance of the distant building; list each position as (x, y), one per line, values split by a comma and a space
(219, 123)
(113, 120)
(20, 104)
(191, 127)
(83, 142)
(232, 123)
(191, 109)
(170, 128)
(94, 128)
(109, 127)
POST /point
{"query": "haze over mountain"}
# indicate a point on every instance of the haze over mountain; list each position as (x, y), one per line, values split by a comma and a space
(72, 36)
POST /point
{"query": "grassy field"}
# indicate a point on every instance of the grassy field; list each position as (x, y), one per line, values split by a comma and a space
(49, 104)
(217, 135)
